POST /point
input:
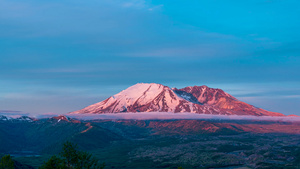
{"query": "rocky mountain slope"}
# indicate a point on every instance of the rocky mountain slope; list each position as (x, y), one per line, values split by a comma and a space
(151, 97)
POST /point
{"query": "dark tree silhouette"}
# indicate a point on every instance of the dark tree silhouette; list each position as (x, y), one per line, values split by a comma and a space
(6, 162)
(70, 157)
(70, 154)
(54, 163)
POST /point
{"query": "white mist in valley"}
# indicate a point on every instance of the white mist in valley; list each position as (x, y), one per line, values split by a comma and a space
(170, 116)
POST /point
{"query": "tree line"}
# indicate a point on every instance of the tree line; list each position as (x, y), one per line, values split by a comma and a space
(69, 158)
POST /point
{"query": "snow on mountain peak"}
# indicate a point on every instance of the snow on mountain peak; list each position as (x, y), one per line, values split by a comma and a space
(157, 97)
(17, 119)
(134, 92)
(3, 118)
(147, 97)
(62, 118)
(25, 118)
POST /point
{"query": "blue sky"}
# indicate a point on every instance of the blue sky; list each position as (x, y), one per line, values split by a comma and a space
(60, 56)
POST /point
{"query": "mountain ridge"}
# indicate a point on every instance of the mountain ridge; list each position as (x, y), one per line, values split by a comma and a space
(152, 97)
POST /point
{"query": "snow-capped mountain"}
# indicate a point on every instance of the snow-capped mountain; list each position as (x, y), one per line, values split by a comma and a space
(62, 118)
(4, 118)
(151, 97)
(18, 119)
(25, 118)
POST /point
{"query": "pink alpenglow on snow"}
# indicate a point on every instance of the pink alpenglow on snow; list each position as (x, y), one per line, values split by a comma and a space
(152, 97)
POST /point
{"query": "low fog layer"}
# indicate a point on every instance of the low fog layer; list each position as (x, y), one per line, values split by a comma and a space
(167, 115)
(153, 116)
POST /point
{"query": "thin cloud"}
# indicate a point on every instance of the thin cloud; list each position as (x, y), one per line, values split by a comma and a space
(13, 114)
(47, 115)
(168, 116)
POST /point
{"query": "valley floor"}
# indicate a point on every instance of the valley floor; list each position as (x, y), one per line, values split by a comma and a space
(134, 144)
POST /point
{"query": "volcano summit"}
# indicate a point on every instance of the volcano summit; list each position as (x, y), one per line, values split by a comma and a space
(152, 97)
